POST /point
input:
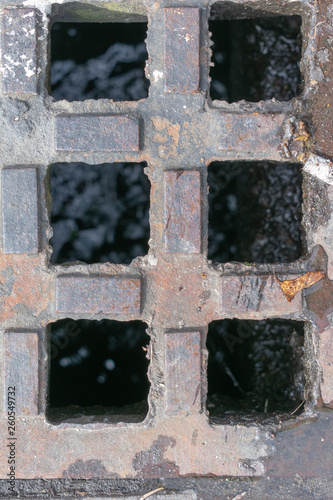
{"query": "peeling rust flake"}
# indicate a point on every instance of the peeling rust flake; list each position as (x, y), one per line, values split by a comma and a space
(291, 287)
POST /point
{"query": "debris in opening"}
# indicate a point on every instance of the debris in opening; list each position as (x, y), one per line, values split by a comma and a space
(100, 213)
(254, 367)
(256, 59)
(98, 367)
(254, 212)
(99, 61)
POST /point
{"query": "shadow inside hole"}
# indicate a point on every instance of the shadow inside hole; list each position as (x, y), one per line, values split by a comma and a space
(254, 367)
(255, 211)
(256, 59)
(98, 368)
(100, 213)
(99, 61)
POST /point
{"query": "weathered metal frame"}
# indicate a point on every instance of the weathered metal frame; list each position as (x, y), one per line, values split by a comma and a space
(178, 131)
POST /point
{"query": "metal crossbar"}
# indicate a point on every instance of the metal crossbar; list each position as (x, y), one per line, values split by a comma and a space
(178, 131)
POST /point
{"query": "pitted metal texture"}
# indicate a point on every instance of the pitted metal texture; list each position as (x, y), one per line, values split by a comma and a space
(178, 131)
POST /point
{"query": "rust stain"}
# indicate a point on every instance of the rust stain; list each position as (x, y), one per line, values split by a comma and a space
(160, 138)
(296, 141)
(167, 135)
(291, 287)
(30, 285)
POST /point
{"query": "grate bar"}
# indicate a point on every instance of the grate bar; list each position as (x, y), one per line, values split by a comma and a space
(326, 362)
(94, 295)
(256, 297)
(183, 372)
(19, 210)
(18, 51)
(178, 131)
(181, 51)
(182, 214)
(20, 381)
(96, 133)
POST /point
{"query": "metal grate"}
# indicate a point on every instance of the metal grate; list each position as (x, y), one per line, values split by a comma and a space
(177, 131)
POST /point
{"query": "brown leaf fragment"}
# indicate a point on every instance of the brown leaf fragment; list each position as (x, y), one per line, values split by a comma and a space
(291, 287)
(301, 133)
(143, 497)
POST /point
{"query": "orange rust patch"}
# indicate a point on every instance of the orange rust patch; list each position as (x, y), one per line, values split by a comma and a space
(29, 287)
(167, 135)
(183, 287)
(159, 138)
(291, 287)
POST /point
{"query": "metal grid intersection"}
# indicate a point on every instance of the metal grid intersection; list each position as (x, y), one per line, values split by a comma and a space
(177, 131)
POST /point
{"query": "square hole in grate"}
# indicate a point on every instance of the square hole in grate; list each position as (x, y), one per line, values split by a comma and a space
(100, 213)
(254, 367)
(98, 368)
(99, 61)
(255, 59)
(254, 212)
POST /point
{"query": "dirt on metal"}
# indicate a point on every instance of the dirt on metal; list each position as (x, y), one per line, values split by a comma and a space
(174, 288)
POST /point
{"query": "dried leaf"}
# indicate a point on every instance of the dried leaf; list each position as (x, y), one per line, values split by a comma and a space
(146, 495)
(301, 134)
(302, 137)
(291, 287)
(301, 157)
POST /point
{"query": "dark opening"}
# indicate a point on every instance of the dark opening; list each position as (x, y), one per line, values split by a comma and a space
(254, 366)
(99, 61)
(98, 368)
(254, 212)
(256, 59)
(100, 213)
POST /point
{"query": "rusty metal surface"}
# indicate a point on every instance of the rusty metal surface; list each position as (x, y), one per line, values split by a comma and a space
(96, 133)
(320, 76)
(182, 212)
(25, 281)
(183, 373)
(326, 363)
(181, 50)
(20, 380)
(18, 51)
(164, 449)
(93, 295)
(304, 450)
(19, 210)
(244, 133)
(256, 297)
(174, 289)
(319, 303)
